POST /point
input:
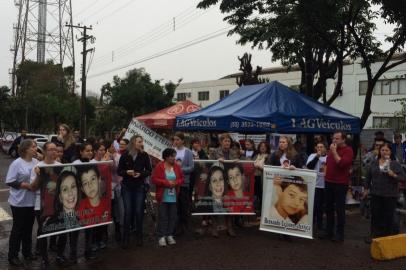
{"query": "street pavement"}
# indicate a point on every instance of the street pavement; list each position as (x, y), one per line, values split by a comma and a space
(251, 249)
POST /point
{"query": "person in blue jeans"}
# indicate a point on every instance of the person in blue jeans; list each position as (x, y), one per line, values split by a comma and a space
(134, 166)
(168, 178)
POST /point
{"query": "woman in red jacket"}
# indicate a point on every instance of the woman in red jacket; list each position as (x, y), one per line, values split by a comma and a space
(167, 177)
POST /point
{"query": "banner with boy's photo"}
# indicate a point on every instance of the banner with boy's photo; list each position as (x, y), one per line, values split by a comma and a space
(287, 205)
(223, 188)
(74, 196)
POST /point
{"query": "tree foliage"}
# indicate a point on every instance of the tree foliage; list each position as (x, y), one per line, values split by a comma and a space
(318, 36)
(43, 99)
(131, 96)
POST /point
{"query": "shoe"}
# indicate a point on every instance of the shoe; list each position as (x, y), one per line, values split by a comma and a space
(162, 242)
(338, 238)
(231, 232)
(102, 245)
(368, 239)
(326, 235)
(170, 240)
(30, 257)
(89, 255)
(214, 232)
(45, 265)
(15, 261)
(125, 244)
(62, 261)
(139, 241)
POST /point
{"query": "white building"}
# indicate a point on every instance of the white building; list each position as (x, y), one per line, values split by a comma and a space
(351, 101)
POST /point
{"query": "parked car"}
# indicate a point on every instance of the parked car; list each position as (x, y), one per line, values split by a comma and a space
(6, 139)
(39, 138)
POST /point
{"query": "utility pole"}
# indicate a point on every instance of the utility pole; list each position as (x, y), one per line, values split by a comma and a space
(85, 37)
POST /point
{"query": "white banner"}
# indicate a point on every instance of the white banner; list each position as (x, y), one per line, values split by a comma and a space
(154, 144)
(287, 205)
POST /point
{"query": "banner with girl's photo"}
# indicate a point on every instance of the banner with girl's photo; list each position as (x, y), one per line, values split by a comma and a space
(287, 206)
(223, 188)
(74, 196)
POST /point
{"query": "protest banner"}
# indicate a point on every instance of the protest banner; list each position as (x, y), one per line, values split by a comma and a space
(74, 197)
(287, 206)
(154, 144)
(225, 188)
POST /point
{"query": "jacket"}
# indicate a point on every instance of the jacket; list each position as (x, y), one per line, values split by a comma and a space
(141, 164)
(380, 183)
(160, 182)
(187, 166)
(274, 160)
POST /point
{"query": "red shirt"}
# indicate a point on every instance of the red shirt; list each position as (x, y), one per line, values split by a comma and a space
(238, 205)
(339, 172)
(90, 215)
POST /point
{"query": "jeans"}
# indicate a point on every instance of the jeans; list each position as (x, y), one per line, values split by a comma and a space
(184, 200)
(134, 206)
(382, 215)
(319, 200)
(166, 219)
(73, 244)
(21, 232)
(335, 202)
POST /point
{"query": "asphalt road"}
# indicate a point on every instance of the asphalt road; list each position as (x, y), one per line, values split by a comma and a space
(251, 249)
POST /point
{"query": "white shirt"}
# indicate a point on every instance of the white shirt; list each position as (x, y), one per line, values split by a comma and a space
(20, 171)
(37, 205)
(180, 153)
(320, 168)
(274, 214)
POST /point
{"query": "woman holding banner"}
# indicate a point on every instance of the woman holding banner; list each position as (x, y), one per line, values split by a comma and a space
(286, 155)
(168, 178)
(261, 156)
(21, 202)
(134, 166)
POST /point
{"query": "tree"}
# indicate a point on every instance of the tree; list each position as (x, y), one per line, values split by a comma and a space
(318, 36)
(43, 98)
(392, 12)
(133, 95)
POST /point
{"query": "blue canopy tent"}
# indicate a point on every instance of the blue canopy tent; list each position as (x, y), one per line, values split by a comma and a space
(270, 107)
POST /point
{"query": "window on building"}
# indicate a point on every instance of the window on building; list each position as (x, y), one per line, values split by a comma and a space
(385, 87)
(395, 123)
(183, 96)
(203, 95)
(224, 93)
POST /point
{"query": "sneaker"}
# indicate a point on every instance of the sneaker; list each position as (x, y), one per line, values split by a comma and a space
(170, 240)
(162, 242)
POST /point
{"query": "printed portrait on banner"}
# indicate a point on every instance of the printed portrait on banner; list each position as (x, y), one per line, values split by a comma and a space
(75, 196)
(288, 197)
(224, 188)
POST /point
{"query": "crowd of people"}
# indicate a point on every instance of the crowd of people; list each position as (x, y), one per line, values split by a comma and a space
(175, 182)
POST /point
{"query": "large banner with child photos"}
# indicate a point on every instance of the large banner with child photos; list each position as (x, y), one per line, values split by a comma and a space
(74, 196)
(287, 205)
(223, 188)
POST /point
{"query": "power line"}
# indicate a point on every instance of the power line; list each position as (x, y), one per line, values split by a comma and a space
(168, 51)
(115, 11)
(85, 8)
(154, 31)
(99, 10)
(147, 39)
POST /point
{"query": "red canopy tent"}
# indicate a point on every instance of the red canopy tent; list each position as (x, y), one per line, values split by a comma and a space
(165, 118)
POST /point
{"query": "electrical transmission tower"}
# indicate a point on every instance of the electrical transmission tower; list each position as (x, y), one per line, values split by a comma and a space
(40, 34)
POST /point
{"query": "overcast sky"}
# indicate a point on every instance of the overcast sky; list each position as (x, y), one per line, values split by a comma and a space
(129, 31)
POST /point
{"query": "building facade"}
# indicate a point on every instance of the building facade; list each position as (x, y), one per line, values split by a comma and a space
(391, 86)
